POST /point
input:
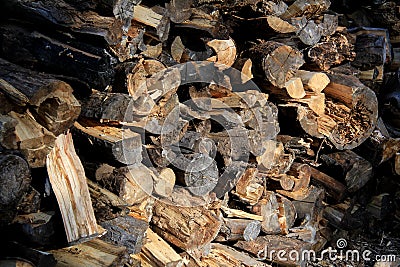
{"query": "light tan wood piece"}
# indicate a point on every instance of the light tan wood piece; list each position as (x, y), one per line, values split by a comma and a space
(68, 181)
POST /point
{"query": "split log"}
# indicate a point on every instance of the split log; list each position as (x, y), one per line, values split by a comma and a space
(126, 231)
(277, 61)
(33, 140)
(225, 50)
(331, 52)
(157, 252)
(238, 229)
(397, 163)
(356, 170)
(106, 205)
(25, 46)
(13, 250)
(164, 182)
(294, 88)
(345, 215)
(356, 124)
(268, 207)
(221, 255)
(67, 178)
(149, 17)
(30, 202)
(14, 183)
(197, 225)
(120, 146)
(51, 101)
(92, 253)
(314, 81)
(248, 187)
(307, 30)
(267, 248)
(133, 184)
(229, 178)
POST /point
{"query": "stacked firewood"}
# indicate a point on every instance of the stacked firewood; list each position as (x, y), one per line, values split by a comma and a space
(194, 133)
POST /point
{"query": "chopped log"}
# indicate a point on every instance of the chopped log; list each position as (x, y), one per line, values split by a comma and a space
(306, 8)
(92, 253)
(238, 229)
(187, 228)
(120, 146)
(179, 10)
(114, 107)
(52, 52)
(345, 215)
(14, 250)
(307, 30)
(333, 187)
(248, 188)
(33, 140)
(314, 81)
(225, 50)
(310, 206)
(30, 202)
(133, 184)
(294, 88)
(67, 178)
(286, 214)
(356, 170)
(157, 252)
(201, 175)
(279, 25)
(146, 16)
(164, 182)
(277, 61)
(269, 248)
(331, 52)
(356, 124)
(106, 205)
(126, 231)
(14, 183)
(221, 255)
(51, 101)
(329, 24)
(203, 21)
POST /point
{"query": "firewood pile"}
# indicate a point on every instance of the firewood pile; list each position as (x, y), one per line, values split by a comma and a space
(198, 133)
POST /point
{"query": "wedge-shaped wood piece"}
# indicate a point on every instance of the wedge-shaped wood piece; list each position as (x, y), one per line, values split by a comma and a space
(67, 178)
(50, 100)
(188, 228)
(115, 144)
(314, 81)
(225, 50)
(248, 187)
(294, 88)
(32, 139)
(157, 252)
(91, 254)
(279, 25)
